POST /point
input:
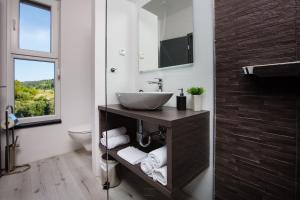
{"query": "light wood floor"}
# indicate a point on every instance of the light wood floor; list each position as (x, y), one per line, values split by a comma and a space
(70, 177)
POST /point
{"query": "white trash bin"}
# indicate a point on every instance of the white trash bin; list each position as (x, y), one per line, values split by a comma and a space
(113, 178)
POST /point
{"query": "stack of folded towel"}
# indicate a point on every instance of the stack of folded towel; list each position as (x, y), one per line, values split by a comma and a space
(132, 155)
(115, 137)
(155, 165)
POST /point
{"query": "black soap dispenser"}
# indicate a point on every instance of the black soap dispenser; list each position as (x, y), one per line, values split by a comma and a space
(181, 101)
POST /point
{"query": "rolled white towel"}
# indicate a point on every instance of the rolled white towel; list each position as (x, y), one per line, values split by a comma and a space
(132, 155)
(115, 132)
(158, 157)
(147, 166)
(115, 141)
(160, 175)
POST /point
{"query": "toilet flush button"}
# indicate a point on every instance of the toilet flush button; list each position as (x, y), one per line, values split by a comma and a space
(122, 52)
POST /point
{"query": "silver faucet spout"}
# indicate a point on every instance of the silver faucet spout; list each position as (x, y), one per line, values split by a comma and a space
(159, 83)
(152, 82)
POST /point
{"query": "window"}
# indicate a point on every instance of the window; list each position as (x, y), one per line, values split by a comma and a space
(35, 27)
(34, 64)
(34, 88)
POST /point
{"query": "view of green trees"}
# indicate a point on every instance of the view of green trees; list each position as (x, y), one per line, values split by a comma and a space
(34, 98)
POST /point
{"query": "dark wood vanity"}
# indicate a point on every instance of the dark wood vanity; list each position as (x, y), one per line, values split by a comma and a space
(187, 140)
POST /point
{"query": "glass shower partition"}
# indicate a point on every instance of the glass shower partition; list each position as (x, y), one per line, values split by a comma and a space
(156, 144)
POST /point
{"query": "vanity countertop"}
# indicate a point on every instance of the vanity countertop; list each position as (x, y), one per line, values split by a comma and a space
(167, 116)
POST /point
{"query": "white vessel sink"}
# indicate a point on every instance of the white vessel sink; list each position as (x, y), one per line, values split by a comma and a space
(143, 100)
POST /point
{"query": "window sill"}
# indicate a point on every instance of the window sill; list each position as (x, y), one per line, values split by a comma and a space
(38, 124)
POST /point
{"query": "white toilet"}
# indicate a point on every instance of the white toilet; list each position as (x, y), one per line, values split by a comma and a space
(83, 135)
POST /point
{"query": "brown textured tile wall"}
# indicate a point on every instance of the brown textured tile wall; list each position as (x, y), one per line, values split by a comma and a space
(257, 151)
(298, 101)
(298, 151)
(298, 27)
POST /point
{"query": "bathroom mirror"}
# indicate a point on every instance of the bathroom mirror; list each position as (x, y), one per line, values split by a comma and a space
(165, 34)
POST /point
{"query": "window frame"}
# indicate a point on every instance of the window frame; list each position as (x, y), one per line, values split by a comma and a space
(14, 52)
(15, 29)
(56, 89)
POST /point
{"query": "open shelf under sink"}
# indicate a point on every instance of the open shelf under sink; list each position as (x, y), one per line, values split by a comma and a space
(136, 168)
(187, 142)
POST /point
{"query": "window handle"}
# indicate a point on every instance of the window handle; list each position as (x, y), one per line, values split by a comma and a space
(14, 24)
(58, 74)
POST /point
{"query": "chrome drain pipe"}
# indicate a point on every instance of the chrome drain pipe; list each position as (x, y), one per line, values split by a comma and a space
(143, 139)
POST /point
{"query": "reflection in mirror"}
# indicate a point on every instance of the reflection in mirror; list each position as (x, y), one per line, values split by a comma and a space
(165, 34)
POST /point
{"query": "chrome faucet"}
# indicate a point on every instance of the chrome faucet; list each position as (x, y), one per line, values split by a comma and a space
(159, 82)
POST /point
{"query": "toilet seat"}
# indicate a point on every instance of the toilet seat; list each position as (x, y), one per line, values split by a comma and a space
(82, 129)
(82, 134)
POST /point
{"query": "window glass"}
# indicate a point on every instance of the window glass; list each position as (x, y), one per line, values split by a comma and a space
(35, 27)
(34, 88)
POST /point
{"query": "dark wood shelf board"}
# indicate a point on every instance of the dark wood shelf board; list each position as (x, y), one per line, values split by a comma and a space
(136, 169)
(289, 69)
(187, 137)
(167, 116)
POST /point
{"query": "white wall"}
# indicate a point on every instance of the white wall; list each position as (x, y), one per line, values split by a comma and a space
(76, 69)
(98, 78)
(2, 62)
(2, 54)
(122, 21)
(200, 74)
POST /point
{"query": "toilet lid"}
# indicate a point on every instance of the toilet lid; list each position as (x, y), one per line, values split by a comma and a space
(85, 128)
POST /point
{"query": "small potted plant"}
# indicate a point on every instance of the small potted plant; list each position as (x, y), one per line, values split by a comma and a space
(196, 93)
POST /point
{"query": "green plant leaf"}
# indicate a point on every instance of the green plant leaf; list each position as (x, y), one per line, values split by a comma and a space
(195, 90)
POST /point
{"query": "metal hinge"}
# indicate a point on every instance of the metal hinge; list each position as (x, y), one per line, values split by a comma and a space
(106, 185)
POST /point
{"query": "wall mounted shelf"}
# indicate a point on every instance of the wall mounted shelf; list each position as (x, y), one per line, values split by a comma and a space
(187, 141)
(288, 69)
